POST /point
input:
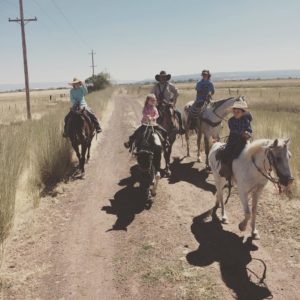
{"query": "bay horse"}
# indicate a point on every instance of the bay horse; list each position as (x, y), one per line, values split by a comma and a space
(261, 161)
(208, 122)
(81, 132)
(168, 120)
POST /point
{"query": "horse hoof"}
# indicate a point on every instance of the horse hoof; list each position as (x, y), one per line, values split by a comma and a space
(242, 227)
(255, 236)
(153, 193)
(199, 160)
(225, 220)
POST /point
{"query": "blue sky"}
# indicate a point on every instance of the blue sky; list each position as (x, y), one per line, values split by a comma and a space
(134, 39)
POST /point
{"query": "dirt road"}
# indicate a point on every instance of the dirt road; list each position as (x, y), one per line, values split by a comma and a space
(96, 239)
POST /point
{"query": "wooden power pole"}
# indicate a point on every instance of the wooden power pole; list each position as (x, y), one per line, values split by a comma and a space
(93, 63)
(23, 22)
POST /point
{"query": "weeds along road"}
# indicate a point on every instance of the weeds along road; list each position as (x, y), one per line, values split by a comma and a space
(96, 239)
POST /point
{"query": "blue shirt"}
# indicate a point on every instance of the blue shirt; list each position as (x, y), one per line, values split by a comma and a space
(77, 96)
(239, 126)
(204, 88)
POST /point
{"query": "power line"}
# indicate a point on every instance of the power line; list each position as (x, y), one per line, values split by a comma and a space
(23, 22)
(75, 31)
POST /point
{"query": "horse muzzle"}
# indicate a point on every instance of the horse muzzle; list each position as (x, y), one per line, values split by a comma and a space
(286, 180)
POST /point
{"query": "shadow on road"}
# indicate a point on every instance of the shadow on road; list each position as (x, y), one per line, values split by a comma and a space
(185, 172)
(127, 202)
(232, 254)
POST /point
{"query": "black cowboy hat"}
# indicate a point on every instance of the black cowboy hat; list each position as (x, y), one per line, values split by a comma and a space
(162, 74)
(205, 72)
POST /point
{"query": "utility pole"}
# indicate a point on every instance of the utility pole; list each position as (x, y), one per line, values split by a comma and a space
(93, 63)
(23, 22)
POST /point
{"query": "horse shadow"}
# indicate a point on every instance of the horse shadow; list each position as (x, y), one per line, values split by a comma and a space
(185, 172)
(232, 254)
(128, 202)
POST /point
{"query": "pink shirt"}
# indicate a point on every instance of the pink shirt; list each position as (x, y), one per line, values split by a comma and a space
(149, 112)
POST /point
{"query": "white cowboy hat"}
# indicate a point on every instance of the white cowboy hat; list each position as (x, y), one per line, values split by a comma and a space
(75, 80)
(240, 105)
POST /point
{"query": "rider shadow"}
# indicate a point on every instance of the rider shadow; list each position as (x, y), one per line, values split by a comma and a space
(186, 172)
(232, 254)
(127, 202)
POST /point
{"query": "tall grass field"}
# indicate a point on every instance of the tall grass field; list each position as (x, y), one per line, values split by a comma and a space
(36, 146)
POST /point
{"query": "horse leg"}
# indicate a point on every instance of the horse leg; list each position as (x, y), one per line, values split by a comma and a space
(187, 139)
(83, 153)
(199, 137)
(244, 200)
(76, 148)
(255, 196)
(206, 141)
(220, 202)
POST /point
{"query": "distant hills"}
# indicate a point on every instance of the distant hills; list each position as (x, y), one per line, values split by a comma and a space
(251, 75)
(33, 85)
(218, 76)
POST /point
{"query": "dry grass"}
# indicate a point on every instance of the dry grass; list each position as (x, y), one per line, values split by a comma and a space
(38, 146)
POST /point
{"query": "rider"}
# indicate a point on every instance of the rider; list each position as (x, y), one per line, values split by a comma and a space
(77, 99)
(166, 91)
(150, 115)
(240, 133)
(205, 90)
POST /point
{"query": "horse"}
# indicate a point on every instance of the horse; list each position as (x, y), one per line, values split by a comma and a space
(148, 153)
(209, 119)
(168, 120)
(81, 131)
(258, 163)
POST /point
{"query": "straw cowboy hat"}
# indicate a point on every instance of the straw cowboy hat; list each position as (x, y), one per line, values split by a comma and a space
(163, 74)
(239, 104)
(75, 80)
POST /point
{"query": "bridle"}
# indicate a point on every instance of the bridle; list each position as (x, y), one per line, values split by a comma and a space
(267, 172)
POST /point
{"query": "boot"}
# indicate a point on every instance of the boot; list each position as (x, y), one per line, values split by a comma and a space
(65, 133)
(98, 129)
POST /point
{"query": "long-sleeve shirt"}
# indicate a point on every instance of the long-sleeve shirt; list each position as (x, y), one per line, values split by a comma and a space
(239, 126)
(77, 96)
(166, 91)
(204, 88)
(150, 114)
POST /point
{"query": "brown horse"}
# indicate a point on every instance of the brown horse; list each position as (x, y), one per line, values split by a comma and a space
(81, 131)
(168, 120)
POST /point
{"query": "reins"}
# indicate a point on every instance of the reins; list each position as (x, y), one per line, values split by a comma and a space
(268, 172)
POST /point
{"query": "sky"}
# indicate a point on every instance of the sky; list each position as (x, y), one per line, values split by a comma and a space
(135, 39)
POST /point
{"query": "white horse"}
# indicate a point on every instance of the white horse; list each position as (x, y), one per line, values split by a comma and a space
(208, 122)
(257, 164)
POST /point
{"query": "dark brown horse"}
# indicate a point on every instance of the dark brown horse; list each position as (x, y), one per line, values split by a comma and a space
(168, 120)
(81, 132)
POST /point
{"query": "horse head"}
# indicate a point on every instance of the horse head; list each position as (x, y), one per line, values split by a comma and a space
(279, 155)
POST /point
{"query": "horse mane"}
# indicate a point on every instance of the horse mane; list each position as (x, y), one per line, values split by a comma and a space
(218, 103)
(257, 146)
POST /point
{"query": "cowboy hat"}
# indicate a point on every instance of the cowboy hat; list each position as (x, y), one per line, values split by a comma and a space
(205, 72)
(163, 74)
(75, 80)
(239, 104)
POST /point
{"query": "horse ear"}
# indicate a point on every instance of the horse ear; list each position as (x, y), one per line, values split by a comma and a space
(287, 141)
(275, 144)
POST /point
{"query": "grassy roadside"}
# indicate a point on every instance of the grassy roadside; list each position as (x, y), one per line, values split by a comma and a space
(38, 147)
